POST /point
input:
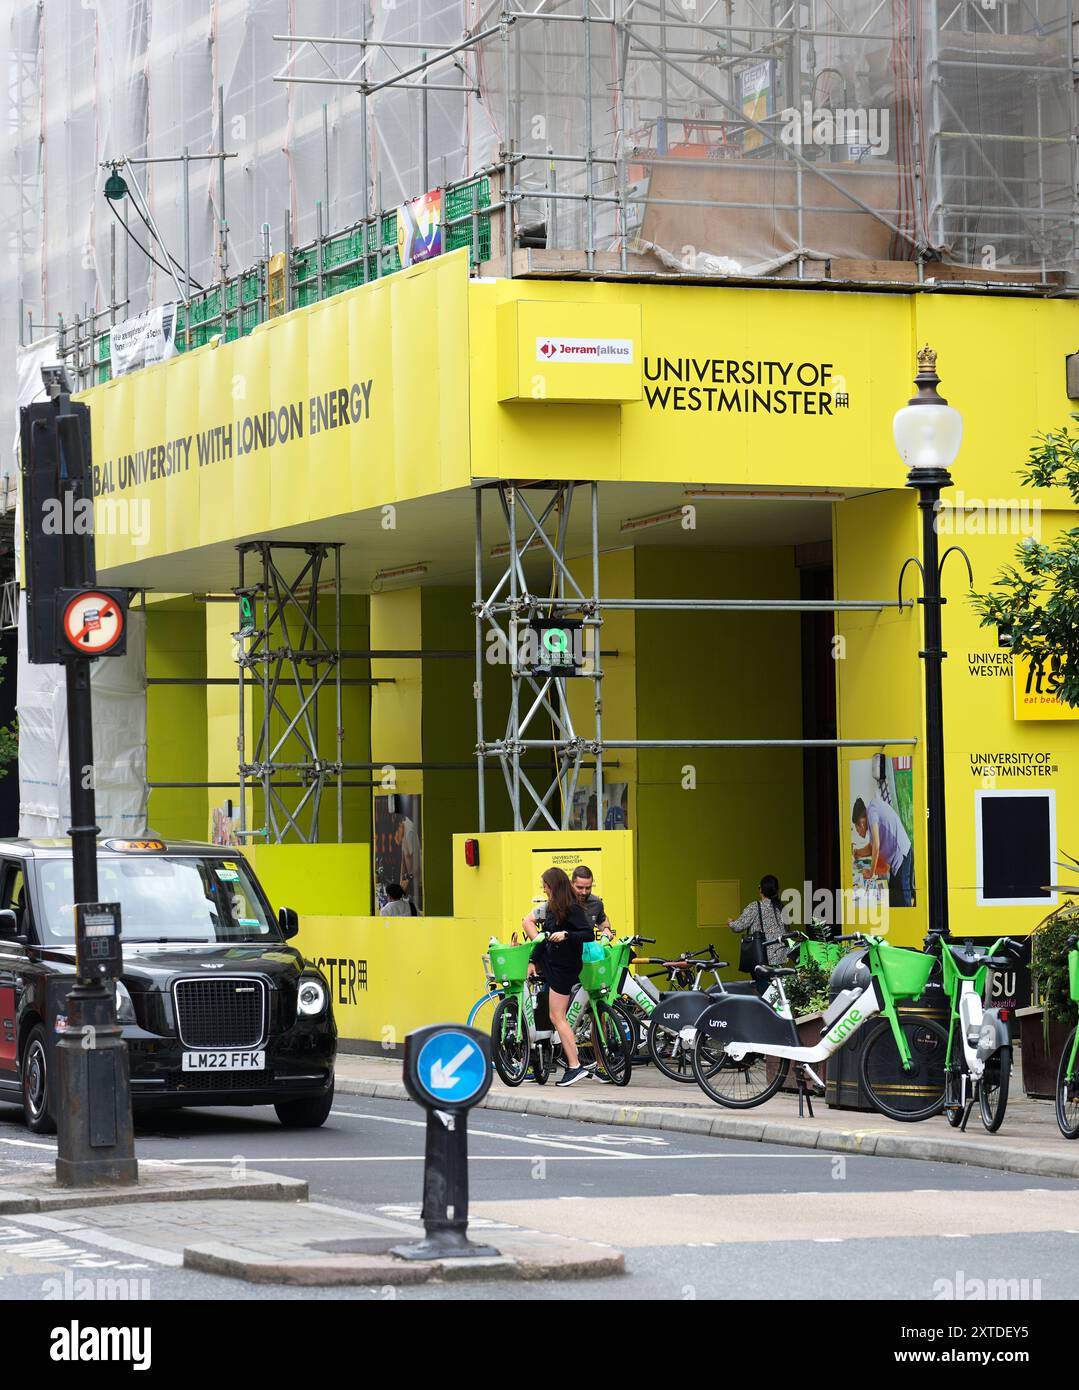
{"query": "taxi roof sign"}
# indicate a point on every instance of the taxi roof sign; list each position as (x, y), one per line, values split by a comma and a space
(134, 844)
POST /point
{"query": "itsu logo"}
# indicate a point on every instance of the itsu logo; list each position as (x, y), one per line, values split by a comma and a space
(591, 350)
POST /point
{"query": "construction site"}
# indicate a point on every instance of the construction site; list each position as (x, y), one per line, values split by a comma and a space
(469, 318)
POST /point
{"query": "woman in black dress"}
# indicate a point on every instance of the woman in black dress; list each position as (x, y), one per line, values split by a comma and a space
(567, 928)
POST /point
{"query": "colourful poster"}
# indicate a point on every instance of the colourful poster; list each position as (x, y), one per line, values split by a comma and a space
(398, 854)
(419, 228)
(882, 831)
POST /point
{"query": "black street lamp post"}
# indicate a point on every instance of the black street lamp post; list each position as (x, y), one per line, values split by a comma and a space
(928, 433)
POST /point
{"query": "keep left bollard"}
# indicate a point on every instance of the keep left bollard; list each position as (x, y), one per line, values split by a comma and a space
(447, 1071)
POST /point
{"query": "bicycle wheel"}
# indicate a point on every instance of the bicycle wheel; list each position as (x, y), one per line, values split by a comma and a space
(906, 1095)
(737, 1085)
(542, 1063)
(508, 1048)
(479, 1006)
(669, 1053)
(993, 1090)
(631, 1025)
(610, 1045)
(1067, 1094)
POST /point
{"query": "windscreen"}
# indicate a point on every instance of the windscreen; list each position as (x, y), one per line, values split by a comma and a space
(161, 899)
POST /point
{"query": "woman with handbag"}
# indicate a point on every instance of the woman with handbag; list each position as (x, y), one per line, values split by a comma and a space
(567, 928)
(765, 927)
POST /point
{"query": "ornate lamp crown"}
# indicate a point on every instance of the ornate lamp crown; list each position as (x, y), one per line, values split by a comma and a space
(927, 380)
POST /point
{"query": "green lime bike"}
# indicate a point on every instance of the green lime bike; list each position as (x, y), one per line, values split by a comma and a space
(755, 1040)
(1067, 1096)
(979, 1059)
(522, 1036)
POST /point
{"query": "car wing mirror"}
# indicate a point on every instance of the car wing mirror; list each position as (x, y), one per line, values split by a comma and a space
(9, 925)
(289, 921)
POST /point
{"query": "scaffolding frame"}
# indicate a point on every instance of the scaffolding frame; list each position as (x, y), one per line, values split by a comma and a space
(270, 658)
(584, 196)
(504, 609)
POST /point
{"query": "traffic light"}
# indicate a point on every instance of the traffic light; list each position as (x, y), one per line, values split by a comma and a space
(555, 647)
(58, 516)
(247, 616)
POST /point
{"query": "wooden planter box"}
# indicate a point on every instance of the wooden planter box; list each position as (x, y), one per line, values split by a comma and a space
(808, 1026)
(1040, 1063)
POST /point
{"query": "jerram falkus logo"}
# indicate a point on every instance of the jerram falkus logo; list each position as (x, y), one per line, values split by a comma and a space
(584, 350)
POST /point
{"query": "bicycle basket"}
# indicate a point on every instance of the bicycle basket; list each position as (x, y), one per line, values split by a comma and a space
(605, 973)
(905, 972)
(1073, 975)
(509, 964)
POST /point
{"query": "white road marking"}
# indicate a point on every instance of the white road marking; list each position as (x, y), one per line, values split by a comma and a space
(588, 1146)
(29, 1144)
(607, 1139)
(89, 1236)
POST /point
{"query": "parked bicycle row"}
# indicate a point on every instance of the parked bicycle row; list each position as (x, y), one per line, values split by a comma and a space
(601, 1009)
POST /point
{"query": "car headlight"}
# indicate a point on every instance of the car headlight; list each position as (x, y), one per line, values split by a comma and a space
(311, 997)
(125, 1009)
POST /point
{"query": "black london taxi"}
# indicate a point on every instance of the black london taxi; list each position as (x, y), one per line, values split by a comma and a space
(215, 1005)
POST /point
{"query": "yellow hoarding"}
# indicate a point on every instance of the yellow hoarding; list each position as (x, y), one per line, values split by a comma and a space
(348, 404)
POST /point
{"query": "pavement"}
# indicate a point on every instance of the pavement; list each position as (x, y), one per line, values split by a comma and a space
(177, 1214)
(1028, 1142)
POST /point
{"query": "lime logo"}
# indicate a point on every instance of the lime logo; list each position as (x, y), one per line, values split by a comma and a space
(846, 1026)
(556, 640)
(247, 613)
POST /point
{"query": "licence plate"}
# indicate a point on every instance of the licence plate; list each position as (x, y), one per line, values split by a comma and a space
(224, 1061)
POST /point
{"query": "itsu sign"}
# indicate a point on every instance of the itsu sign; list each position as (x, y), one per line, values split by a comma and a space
(618, 350)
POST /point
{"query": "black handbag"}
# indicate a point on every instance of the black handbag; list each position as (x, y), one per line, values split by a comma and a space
(753, 950)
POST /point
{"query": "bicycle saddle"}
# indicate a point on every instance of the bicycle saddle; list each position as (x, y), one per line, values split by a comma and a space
(773, 971)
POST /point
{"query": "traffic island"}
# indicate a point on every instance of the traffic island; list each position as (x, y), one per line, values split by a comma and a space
(363, 1255)
(24, 1189)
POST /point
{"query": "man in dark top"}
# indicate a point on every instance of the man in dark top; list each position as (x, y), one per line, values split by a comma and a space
(581, 879)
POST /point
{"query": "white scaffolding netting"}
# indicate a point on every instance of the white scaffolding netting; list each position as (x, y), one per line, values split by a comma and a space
(728, 134)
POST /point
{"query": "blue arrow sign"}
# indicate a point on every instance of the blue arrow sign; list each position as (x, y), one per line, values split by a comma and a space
(451, 1067)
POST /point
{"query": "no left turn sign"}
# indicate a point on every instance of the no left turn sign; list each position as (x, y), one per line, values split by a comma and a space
(93, 622)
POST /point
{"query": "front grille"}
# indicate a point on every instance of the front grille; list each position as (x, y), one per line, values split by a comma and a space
(219, 1081)
(225, 1012)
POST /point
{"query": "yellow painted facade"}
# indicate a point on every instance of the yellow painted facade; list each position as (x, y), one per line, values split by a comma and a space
(389, 402)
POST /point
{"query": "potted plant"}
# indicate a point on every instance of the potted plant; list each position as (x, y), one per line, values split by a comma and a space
(807, 994)
(1044, 1026)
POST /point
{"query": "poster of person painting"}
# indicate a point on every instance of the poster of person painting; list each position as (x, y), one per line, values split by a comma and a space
(882, 830)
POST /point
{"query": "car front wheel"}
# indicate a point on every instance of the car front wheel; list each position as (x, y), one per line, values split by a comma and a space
(305, 1114)
(37, 1084)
